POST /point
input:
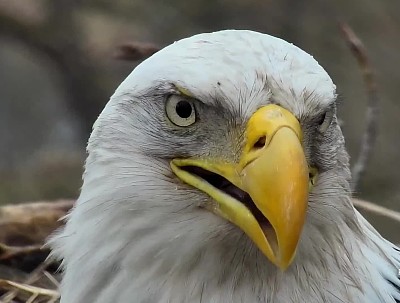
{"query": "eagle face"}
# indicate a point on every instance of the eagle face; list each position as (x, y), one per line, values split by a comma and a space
(218, 172)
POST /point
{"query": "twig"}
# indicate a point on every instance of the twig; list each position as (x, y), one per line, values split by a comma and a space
(32, 298)
(370, 133)
(376, 209)
(9, 252)
(51, 279)
(29, 288)
(32, 278)
(17, 222)
(134, 51)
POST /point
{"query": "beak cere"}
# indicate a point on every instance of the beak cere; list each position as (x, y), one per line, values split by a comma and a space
(266, 193)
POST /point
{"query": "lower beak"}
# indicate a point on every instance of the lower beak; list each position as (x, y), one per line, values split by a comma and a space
(273, 171)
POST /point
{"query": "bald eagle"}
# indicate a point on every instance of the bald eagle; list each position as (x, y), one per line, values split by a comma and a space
(217, 172)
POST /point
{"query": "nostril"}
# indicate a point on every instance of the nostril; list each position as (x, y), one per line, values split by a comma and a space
(260, 143)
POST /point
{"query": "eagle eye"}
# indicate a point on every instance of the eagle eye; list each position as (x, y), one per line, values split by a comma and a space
(180, 110)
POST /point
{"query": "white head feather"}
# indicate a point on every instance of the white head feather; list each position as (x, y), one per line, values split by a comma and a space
(137, 233)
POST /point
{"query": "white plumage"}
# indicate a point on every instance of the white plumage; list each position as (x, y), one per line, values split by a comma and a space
(140, 234)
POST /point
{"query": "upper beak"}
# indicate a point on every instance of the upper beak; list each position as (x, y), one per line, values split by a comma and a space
(273, 171)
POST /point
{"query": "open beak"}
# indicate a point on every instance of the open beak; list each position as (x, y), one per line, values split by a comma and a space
(266, 193)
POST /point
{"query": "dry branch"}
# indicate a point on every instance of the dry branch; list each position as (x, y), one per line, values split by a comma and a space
(24, 271)
(10, 252)
(377, 209)
(37, 285)
(30, 224)
(134, 51)
(370, 134)
(32, 291)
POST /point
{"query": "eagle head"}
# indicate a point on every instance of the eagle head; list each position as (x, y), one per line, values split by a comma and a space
(217, 172)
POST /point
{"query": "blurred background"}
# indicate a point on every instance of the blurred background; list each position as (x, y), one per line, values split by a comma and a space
(59, 65)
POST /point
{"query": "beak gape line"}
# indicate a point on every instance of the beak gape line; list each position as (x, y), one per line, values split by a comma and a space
(266, 193)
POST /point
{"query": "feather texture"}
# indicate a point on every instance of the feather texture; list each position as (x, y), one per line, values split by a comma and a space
(137, 234)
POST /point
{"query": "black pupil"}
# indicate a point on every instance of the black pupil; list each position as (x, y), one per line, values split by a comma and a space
(184, 109)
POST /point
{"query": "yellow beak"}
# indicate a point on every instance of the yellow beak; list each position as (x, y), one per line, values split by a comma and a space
(272, 171)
